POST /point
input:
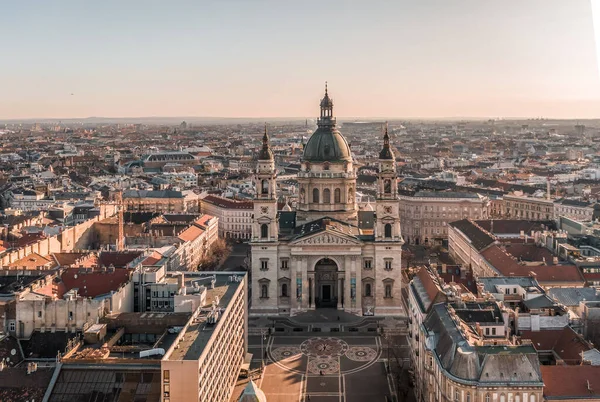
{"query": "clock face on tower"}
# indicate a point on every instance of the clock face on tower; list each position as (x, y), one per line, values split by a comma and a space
(387, 209)
(264, 210)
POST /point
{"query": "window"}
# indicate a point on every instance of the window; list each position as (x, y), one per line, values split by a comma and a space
(368, 263)
(502, 398)
(388, 291)
(493, 331)
(264, 264)
(284, 263)
(387, 186)
(12, 326)
(166, 376)
(70, 315)
(487, 397)
(167, 389)
(284, 290)
(388, 230)
(388, 264)
(326, 196)
(532, 398)
(368, 290)
(264, 292)
(40, 314)
(456, 396)
(316, 195)
(265, 187)
(468, 397)
(337, 197)
(264, 231)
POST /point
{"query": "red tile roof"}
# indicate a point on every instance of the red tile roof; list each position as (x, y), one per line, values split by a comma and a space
(571, 382)
(33, 261)
(191, 233)
(118, 259)
(565, 342)
(508, 266)
(93, 284)
(529, 252)
(228, 203)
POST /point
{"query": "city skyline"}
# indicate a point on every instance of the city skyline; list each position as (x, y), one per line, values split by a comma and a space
(264, 59)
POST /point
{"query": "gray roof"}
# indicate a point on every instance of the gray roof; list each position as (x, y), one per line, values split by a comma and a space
(490, 283)
(445, 194)
(487, 364)
(542, 301)
(572, 296)
(152, 194)
(480, 239)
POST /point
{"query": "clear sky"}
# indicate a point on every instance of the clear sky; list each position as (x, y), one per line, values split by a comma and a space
(261, 58)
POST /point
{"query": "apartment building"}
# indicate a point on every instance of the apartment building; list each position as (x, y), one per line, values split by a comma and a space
(425, 215)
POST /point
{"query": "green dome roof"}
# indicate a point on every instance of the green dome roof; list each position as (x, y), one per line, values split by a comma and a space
(327, 144)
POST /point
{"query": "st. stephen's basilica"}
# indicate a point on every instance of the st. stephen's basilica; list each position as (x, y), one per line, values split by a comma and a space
(322, 255)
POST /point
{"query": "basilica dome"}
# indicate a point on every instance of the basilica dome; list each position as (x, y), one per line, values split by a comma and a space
(327, 144)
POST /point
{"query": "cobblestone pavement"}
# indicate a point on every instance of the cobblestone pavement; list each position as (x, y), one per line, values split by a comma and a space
(321, 368)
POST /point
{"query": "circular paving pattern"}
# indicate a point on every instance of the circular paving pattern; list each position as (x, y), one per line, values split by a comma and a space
(325, 365)
(361, 353)
(285, 352)
(324, 347)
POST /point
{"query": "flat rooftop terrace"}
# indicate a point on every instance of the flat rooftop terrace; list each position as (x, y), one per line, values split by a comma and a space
(200, 330)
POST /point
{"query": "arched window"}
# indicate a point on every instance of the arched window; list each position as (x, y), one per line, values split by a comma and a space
(264, 291)
(487, 397)
(337, 196)
(468, 397)
(456, 396)
(388, 293)
(387, 186)
(368, 290)
(387, 230)
(316, 195)
(264, 231)
(284, 290)
(264, 187)
(326, 196)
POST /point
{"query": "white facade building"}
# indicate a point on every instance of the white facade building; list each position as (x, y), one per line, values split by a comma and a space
(319, 255)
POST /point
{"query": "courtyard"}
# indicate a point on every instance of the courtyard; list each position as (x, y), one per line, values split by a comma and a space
(323, 367)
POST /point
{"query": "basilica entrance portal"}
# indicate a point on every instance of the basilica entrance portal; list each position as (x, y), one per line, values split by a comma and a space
(326, 284)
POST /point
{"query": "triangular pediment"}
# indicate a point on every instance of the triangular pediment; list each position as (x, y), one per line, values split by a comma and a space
(326, 238)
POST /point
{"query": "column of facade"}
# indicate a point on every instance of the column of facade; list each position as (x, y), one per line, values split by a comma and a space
(303, 264)
(294, 271)
(347, 287)
(356, 267)
(340, 290)
(312, 291)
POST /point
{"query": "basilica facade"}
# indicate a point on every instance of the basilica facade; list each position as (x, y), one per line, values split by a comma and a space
(322, 255)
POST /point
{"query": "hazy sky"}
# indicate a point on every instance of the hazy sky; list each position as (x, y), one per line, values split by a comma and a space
(252, 58)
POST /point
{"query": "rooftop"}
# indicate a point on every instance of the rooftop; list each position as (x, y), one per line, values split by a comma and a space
(201, 329)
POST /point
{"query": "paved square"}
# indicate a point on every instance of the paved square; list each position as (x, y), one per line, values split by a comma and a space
(322, 367)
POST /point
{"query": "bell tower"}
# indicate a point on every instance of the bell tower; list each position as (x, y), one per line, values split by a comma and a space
(265, 227)
(387, 227)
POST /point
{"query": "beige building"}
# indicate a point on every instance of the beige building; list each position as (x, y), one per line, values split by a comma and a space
(166, 201)
(529, 208)
(204, 362)
(460, 363)
(425, 215)
(235, 217)
(321, 254)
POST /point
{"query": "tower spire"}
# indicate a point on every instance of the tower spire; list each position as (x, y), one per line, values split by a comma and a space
(266, 153)
(386, 152)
